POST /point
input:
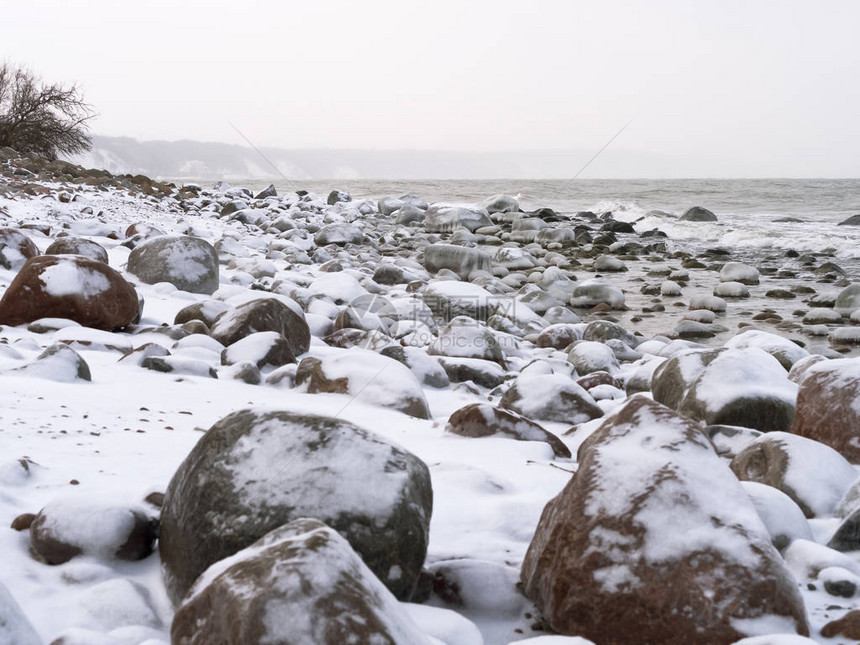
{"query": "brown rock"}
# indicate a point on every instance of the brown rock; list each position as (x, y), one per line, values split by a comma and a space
(848, 626)
(300, 583)
(559, 335)
(613, 558)
(78, 246)
(826, 406)
(598, 378)
(55, 533)
(84, 290)
(485, 420)
(15, 248)
(23, 521)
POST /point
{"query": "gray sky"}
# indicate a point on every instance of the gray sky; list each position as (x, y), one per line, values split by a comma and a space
(729, 88)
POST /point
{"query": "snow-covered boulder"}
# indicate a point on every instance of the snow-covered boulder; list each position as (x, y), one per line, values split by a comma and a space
(559, 335)
(848, 300)
(814, 475)
(59, 363)
(485, 420)
(448, 299)
(462, 260)
(263, 314)
(781, 515)
(188, 263)
(654, 524)
(15, 248)
(255, 471)
(74, 287)
(827, 406)
(550, 397)
(781, 348)
(299, 583)
(593, 292)
(366, 376)
(744, 387)
(591, 356)
(264, 348)
(739, 272)
(465, 338)
(338, 233)
(78, 246)
(731, 290)
(66, 528)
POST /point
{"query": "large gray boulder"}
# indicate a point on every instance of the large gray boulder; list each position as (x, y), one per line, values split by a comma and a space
(188, 263)
(255, 471)
(300, 583)
(698, 214)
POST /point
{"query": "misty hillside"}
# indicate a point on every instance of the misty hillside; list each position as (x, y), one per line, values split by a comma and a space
(199, 160)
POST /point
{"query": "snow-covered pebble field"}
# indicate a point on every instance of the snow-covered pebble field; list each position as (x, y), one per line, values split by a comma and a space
(238, 418)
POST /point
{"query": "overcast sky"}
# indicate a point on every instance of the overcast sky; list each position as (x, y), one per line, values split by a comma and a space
(770, 88)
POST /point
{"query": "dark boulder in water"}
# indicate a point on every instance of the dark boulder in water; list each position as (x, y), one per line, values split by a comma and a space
(854, 220)
(698, 214)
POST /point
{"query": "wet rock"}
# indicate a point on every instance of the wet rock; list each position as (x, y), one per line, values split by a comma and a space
(67, 528)
(485, 420)
(233, 488)
(74, 287)
(812, 474)
(300, 583)
(188, 263)
(604, 561)
(698, 214)
(854, 220)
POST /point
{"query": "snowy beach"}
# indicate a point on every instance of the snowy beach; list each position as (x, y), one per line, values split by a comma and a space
(593, 420)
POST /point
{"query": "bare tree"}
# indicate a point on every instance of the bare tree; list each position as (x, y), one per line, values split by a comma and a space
(47, 120)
